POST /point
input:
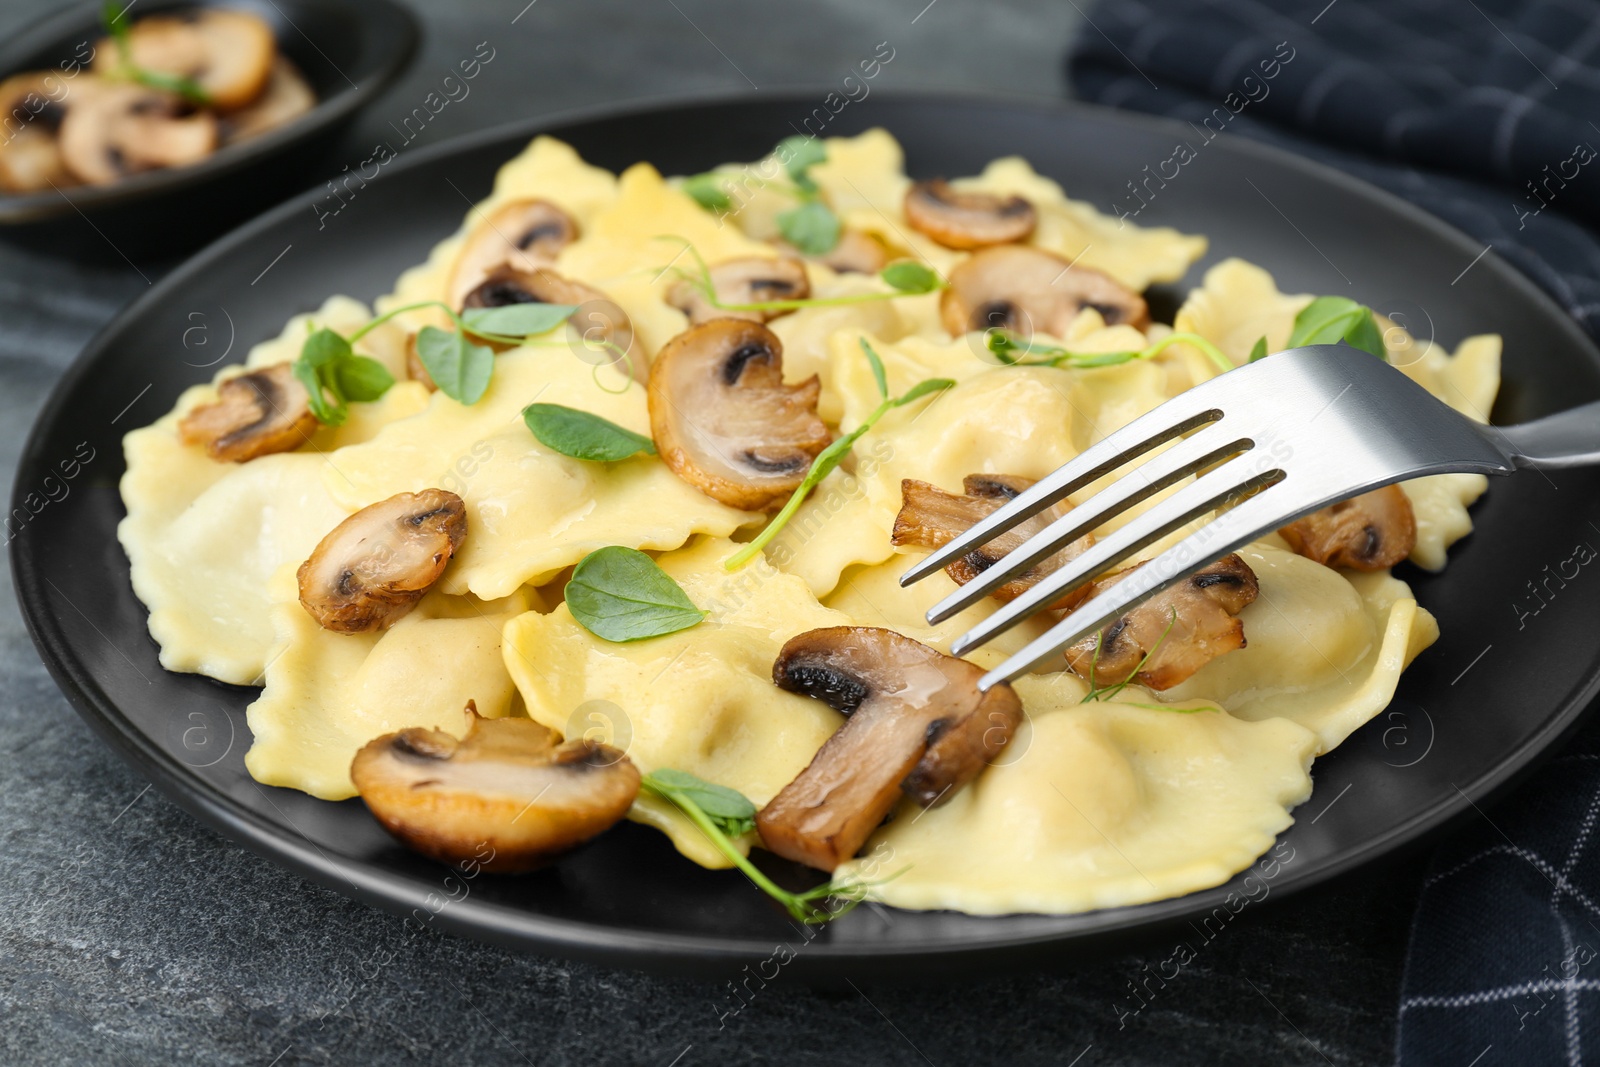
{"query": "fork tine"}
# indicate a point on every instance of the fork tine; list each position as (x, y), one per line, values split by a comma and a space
(1183, 413)
(1209, 445)
(1205, 494)
(1229, 532)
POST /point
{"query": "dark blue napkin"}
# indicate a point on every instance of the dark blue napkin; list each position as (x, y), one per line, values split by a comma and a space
(1487, 114)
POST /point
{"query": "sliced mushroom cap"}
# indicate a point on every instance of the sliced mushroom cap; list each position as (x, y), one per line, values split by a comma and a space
(1180, 629)
(918, 726)
(507, 797)
(255, 414)
(287, 96)
(967, 220)
(523, 235)
(749, 280)
(227, 53)
(605, 327)
(723, 419)
(373, 567)
(416, 370)
(931, 518)
(30, 158)
(1367, 533)
(125, 129)
(856, 252)
(1027, 290)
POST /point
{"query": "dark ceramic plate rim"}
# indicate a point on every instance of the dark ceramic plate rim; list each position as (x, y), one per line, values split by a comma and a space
(35, 207)
(513, 926)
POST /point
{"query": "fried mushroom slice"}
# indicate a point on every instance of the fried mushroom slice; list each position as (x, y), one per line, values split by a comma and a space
(120, 130)
(507, 797)
(725, 422)
(605, 327)
(287, 96)
(918, 726)
(1366, 533)
(255, 414)
(1180, 629)
(372, 568)
(967, 220)
(931, 518)
(1027, 290)
(30, 157)
(227, 53)
(857, 252)
(747, 280)
(522, 234)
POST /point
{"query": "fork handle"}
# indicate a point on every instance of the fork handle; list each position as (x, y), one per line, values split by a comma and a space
(1568, 439)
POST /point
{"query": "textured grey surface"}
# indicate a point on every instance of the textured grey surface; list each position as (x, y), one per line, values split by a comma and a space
(132, 935)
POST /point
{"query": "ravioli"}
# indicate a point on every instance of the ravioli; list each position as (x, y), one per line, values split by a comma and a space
(327, 694)
(1096, 805)
(531, 511)
(204, 537)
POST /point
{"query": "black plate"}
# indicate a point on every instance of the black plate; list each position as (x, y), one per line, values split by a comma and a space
(1500, 688)
(348, 50)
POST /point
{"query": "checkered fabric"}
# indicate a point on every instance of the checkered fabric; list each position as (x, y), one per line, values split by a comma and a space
(1473, 110)
(1483, 112)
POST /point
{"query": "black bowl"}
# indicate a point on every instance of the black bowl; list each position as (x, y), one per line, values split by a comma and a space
(349, 51)
(1507, 681)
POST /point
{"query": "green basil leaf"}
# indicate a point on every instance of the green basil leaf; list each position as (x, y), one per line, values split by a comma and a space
(909, 276)
(1259, 349)
(619, 594)
(730, 809)
(518, 320)
(798, 154)
(361, 378)
(707, 190)
(1328, 320)
(583, 435)
(813, 228)
(460, 369)
(922, 389)
(878, 374)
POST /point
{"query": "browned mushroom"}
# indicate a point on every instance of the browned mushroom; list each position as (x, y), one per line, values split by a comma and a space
(124, 129)
(856, 252)
(255, 414)
(287, 96)
(967, 220)
(606, 330)
(919, 726)
(1180, 629)
(523, 235)
(723, 419)
(227, 53)
(30, 117)
(507, 797)
(416, 370)
(373, 567)
(931, 518)
(1027, 290)
(748, 280)
(1366, 533)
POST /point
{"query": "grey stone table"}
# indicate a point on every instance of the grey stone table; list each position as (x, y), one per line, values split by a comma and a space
(130, 934)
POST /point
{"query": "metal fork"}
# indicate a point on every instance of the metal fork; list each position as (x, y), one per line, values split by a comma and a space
(1270, 441)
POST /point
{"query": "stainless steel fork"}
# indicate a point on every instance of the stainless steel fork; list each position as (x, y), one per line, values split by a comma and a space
(1276, 439)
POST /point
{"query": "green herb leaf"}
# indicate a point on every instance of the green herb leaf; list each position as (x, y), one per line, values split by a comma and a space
(1258, 350)
(730, 809)
(909, 276)
(922, 389)
(583, 435)
(708, 191)
(459, 368)
(517, 320)
(812, 227)
(620, 594)
(799, 154)
(878, 374)
(334, 375)
(361, 378)
(1330, 319)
